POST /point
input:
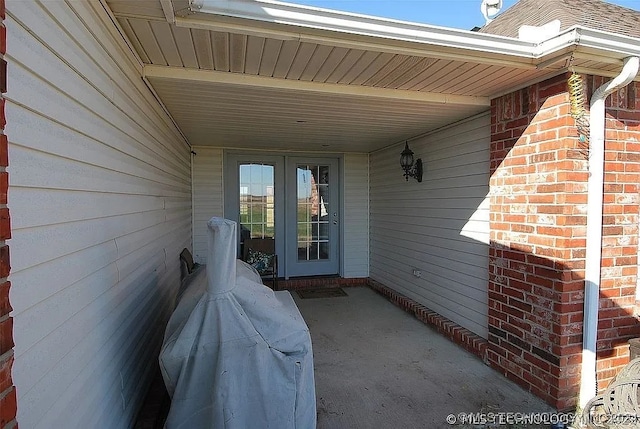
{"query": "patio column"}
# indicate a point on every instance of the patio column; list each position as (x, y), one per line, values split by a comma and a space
(7, 390)
(538, 229)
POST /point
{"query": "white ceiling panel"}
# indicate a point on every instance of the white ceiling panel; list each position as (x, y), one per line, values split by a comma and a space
(237, 52)
(221, 51)
(315, 63)
(336, 58)
(362, 64)
(302, 58)
(396, 72)
(142, 8)
(135, 43)
(285, 58)
(343, 67)
(316, 90)
(202, 47)
(144, 34)
(237, 116)
(254, 54)
(185, 46)
(272, 49)
(167, 43)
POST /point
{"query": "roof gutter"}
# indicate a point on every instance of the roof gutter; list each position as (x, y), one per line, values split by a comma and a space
(286, 21)
(588, 384)
(275, 12)
(595, 42)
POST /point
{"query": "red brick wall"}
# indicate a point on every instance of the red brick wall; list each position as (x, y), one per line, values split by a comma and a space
(538, 228)
(7, 390)
(616, 323)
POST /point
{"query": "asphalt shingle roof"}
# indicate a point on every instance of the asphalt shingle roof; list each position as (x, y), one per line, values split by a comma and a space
(594, 14)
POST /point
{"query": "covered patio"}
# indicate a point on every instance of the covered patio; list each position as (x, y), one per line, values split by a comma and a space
(377, 367)
(130, 123)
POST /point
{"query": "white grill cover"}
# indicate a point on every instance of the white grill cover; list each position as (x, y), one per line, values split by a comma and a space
(235, 353)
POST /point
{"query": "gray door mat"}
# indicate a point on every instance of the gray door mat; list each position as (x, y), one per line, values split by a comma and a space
(333, 292)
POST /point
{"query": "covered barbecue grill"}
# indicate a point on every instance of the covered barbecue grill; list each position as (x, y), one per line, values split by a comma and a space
(236, 354)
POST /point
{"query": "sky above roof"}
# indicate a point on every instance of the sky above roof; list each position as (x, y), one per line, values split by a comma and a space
(462, 14)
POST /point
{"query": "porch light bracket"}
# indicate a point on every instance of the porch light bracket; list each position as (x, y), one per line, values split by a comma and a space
(410, 168)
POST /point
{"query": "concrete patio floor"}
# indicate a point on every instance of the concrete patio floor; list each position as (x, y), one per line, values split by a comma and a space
(377, 366)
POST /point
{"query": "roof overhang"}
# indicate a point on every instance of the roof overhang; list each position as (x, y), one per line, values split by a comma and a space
(289, 21)
(268, 74)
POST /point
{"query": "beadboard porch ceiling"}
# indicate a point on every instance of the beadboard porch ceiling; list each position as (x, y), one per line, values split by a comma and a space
(236, 82)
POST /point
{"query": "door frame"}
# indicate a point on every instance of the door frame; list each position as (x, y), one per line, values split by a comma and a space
(231, 194)
(231, 191)
(294, 266)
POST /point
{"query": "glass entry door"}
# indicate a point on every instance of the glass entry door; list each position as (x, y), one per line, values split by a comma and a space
(254, 198)
(312, 216)
(293, 200)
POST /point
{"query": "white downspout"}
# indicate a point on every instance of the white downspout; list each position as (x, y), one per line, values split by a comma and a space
(594, 226)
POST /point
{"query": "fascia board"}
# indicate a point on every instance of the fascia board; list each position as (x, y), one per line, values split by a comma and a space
(339, 28)
(349, 23)
(581, 39)
(616, 44)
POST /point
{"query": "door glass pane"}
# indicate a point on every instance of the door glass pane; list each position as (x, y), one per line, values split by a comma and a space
(313, 212)
(257, 215)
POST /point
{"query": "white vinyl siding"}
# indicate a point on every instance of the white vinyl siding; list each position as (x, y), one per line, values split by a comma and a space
(439, 227)
(100, 201)
(208, 195)
(356, 216)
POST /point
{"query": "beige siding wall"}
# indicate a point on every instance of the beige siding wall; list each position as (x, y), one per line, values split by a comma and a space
(100, 199)
(208, 195)
(439, 227)
(356, 216)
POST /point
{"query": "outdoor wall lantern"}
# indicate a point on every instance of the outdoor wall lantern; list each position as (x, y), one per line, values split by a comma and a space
(410, 168)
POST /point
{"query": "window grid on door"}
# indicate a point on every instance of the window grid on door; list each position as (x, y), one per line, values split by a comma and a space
(257, 210)
(312, 212)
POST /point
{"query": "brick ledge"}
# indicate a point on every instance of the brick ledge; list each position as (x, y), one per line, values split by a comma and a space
(456, 333)
(321, 282)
